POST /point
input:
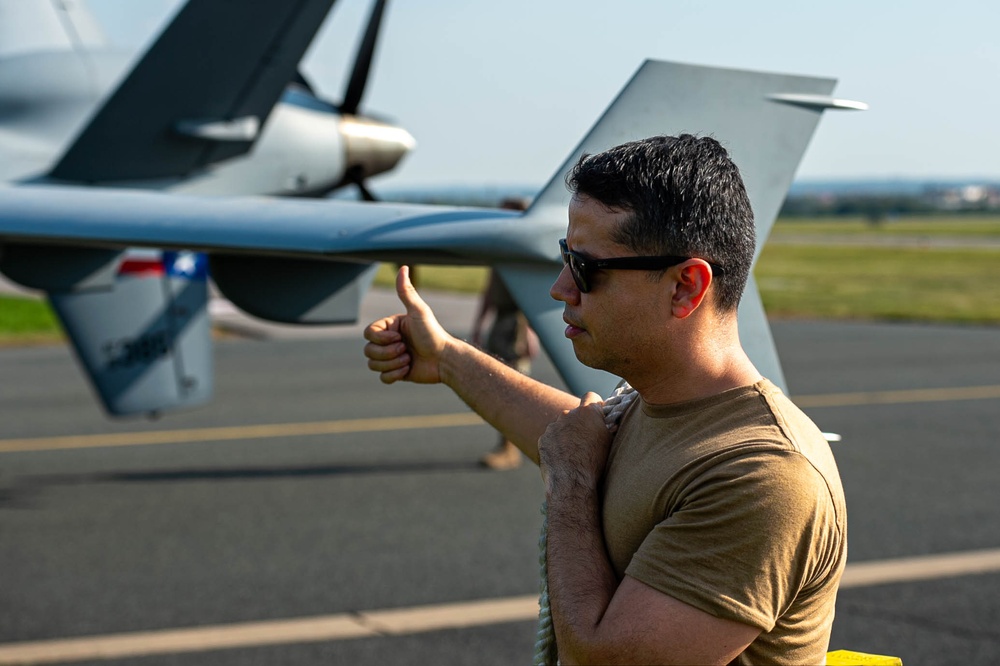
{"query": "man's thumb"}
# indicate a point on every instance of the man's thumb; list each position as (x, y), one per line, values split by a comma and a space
(408, 293)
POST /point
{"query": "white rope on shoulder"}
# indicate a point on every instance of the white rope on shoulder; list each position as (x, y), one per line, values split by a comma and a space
(546, 653)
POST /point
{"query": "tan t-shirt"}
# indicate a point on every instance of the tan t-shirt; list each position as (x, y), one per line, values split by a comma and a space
(732, 504)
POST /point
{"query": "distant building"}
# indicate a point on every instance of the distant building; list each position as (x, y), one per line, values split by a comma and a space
(968, 197)
(884, 199)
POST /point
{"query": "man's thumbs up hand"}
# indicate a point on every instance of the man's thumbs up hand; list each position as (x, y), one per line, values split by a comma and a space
(407, 346)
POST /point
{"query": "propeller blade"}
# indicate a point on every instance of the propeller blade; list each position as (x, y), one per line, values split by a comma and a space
(366, 194)
(359, 77)
(355, 175)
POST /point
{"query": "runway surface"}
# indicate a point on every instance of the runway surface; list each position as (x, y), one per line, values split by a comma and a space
(312, 515)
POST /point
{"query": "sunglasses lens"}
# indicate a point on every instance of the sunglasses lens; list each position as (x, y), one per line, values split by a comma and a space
(576, 268)
(579, 274)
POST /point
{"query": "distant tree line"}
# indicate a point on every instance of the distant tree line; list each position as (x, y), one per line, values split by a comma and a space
(878, 207)
(867, 206)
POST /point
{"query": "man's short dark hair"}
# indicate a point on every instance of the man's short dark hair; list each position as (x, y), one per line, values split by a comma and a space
(685, 196)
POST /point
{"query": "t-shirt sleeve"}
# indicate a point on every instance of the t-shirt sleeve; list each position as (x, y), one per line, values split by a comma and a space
(744, 538)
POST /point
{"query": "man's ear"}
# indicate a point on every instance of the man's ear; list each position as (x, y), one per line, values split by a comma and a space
(694, 277)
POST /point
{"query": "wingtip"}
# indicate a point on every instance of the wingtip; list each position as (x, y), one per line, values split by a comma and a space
(818, 102)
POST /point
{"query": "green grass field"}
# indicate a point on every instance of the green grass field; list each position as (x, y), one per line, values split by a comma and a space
(461, 279)
(24, 320)
(954, 226)
(896, 283)
(806, 279)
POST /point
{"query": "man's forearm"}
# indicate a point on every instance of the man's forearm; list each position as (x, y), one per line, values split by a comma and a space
(517, 405)
(581, 580)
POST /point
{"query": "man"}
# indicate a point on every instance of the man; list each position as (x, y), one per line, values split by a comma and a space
(711, 527)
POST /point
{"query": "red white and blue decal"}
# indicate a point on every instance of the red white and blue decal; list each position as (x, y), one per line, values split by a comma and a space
(176, 264)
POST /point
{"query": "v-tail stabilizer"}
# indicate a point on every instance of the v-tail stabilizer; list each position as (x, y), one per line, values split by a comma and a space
(749, 112)
(199, 95)
(765, 120)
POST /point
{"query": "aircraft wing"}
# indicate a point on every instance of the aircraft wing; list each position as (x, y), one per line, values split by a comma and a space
(280, 259)
(295, 261)
(307, 261)
(199, 95)
(272, 226)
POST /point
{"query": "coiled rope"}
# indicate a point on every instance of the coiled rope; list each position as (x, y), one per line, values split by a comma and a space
(546, 653)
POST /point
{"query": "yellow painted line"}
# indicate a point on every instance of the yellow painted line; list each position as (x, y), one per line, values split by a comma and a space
(395, 622)
(416, 619)
(898, 397)
(924, 567)
(433, 421)
(381, 424)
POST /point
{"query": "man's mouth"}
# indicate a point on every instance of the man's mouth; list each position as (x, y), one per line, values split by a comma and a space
(572, 329)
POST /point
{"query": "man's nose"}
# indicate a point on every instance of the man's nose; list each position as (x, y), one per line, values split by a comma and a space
(564, 288)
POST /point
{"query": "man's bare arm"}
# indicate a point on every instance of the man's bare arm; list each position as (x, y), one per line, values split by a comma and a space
(597, 619)
(414, 347)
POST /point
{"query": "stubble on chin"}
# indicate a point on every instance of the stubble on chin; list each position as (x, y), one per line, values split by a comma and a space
(600, 359)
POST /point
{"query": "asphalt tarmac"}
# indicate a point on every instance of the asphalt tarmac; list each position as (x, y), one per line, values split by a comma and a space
(308, 490)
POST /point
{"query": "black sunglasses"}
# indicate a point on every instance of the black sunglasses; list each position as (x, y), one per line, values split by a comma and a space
(582, 268)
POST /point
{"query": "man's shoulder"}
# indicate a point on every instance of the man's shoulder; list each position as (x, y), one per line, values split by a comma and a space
(800, 432)
(758, 420)
(788, 425)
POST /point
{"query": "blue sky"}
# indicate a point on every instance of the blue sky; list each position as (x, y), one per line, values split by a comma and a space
(501, 92)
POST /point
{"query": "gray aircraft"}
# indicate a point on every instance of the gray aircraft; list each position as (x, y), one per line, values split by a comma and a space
(309, 262)
(216, 106)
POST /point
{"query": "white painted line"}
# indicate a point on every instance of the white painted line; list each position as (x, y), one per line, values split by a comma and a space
(924, 567)
(417, 619)
(343, 626)
(199, 639)
(452, 616)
